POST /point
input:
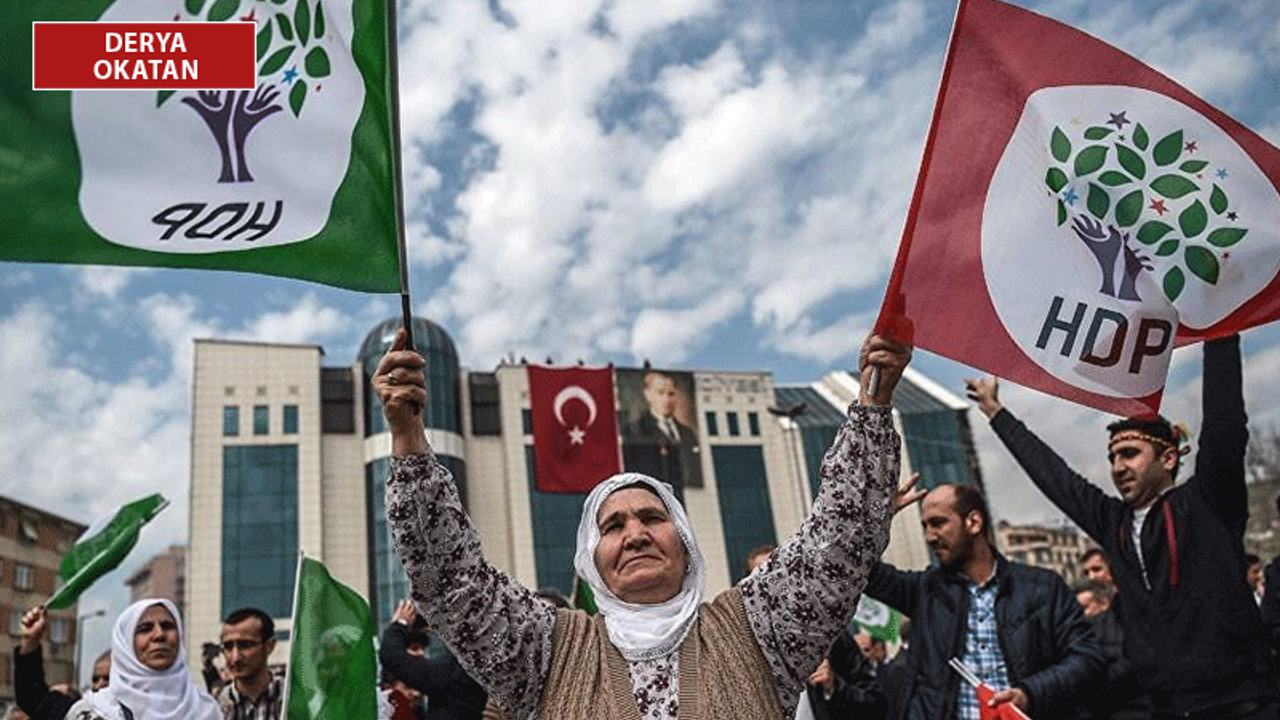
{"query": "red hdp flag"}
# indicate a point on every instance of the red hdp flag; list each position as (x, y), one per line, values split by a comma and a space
(575, 427)
(1078, 214)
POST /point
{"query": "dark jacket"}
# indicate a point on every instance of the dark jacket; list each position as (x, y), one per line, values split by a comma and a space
(857, 693)
(30, 691)
(1119, 697)
(451, 693)
(1271, 603)
(1048, 646)
(1192, 629)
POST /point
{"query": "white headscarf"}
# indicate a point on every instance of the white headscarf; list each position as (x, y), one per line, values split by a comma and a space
(149, 694)
(641, 632)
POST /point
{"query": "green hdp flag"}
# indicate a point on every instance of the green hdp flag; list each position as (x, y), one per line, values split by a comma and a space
(877, 619)
(583, 597)
(102, 547)
(293, 178)
(332, 670)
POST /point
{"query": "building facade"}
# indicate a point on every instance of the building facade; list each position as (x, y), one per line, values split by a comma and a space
(32, 543)
(1057, 549)
(163, 576)
(291, 455)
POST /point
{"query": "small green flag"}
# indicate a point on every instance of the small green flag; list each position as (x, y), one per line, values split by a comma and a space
(583, 597)
(292, 178)
(877, 619)
(332, 669)
(102, 547)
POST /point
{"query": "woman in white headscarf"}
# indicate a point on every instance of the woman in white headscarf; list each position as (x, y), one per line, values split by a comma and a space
(149, 678)
(657, 651)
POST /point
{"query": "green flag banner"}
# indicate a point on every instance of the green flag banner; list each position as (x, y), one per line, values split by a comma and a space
(877, 619)
(102, 547)
(583, 598)
(293, 178)
(332, 670)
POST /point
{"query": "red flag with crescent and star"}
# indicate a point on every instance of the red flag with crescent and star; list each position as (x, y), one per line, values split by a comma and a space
(1078, 215)
(575, 427)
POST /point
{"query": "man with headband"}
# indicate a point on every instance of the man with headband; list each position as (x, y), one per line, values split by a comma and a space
(658, 650)
(1191, 628)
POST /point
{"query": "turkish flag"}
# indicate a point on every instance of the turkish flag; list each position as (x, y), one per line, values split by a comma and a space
(1003, 711)
(575, 427)
(1078, 214)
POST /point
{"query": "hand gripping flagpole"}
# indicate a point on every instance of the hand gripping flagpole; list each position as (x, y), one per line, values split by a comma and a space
(393, 98)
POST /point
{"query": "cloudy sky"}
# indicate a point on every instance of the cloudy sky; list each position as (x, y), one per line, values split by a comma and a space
(702, 183)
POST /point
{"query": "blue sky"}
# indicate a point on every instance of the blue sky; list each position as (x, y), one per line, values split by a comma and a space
(702, 183)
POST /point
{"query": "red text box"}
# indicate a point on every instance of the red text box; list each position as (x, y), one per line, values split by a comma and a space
(143, 55)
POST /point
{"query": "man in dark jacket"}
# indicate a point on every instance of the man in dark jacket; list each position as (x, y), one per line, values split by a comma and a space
(1019, 628)
(451, 693)
(843, 687)
(1191, 628)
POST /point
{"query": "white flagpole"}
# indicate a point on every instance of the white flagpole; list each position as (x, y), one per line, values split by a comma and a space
(293, 632)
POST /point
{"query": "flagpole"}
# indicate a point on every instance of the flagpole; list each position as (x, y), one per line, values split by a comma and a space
(894, 302)
(393, 99)
(293, 631)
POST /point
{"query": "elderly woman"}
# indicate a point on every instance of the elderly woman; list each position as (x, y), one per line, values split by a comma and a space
(149, 678)
(657, 650)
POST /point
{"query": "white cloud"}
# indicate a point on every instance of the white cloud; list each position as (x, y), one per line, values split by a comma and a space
(105, 281)
(739, 139)
(666, 336)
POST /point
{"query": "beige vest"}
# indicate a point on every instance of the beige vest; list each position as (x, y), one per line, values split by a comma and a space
(723, 674)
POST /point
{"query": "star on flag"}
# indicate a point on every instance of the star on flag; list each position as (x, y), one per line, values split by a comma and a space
(576, 435)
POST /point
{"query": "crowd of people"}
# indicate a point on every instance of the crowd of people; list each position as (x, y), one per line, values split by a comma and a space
(1171, 618)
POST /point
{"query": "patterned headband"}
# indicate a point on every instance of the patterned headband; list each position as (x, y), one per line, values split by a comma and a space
(1179, 432)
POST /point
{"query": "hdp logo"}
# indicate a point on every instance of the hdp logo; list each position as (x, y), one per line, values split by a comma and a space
(1114, 215)
(291, 56)
(212, 171)
(1133, 201)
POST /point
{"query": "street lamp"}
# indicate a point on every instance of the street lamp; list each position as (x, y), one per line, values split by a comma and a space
(791, 414)
(80, 631)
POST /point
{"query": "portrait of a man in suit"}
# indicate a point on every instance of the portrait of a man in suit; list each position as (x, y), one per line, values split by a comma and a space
(660, 439)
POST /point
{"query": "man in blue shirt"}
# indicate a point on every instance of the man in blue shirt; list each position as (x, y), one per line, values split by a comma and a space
(1018, 627)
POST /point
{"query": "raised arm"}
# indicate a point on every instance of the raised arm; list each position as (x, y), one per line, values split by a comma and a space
(32, 695)
(499, 631)
(1224, 434)
(800, 600)
(1082, 501)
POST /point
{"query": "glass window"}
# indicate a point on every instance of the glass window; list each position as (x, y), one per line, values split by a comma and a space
(485, 415)
(22, 576)
(261, 420)
(58, 630)
(259, 527)
(230, 420)
(745, 511)
(734, 430)
(337, 401)
(713, 428)
(555, 528)
(290, 419)
(753, 424)
(15, 622)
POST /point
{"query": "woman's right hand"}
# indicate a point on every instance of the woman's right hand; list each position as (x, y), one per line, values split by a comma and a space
(401, 386)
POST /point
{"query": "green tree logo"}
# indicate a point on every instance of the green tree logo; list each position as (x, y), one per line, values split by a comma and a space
(289, 52)
(1159, 194)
